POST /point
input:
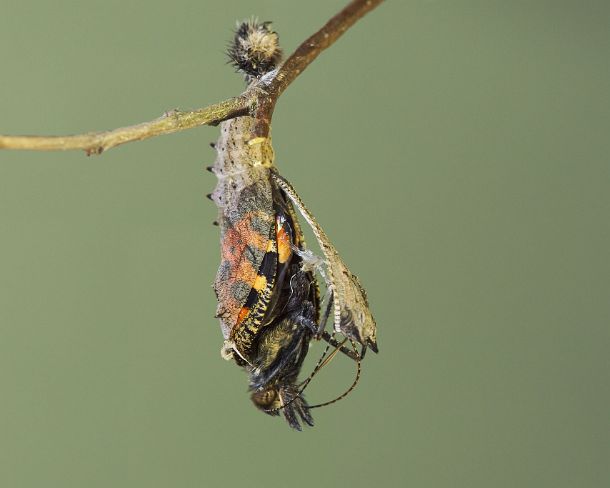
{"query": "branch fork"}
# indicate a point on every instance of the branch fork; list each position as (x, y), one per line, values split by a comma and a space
(258, 101)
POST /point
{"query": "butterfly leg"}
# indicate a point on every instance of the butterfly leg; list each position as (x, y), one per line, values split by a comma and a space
(320, 333)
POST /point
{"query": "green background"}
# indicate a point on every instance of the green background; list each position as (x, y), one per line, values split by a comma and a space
(457, 152)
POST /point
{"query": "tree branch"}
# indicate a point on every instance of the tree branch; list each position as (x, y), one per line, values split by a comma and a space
(259, 100)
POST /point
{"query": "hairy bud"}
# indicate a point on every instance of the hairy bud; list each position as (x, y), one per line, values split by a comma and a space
(255, 49)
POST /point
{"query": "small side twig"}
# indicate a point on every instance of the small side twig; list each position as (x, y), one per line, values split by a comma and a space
(97, 142)
(258, 101)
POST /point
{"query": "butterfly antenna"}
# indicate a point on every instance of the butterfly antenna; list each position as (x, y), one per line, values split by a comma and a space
(323, 361)
(351, 388)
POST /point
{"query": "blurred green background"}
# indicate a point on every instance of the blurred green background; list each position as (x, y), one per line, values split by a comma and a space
(457, 152)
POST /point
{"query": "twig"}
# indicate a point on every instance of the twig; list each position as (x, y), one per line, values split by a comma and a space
(97, 142)
(259, 100)
(309, 50)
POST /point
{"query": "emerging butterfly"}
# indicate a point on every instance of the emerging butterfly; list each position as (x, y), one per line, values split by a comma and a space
(268, 299)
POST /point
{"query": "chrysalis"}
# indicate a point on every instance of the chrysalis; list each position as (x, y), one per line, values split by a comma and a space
(268, 299)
